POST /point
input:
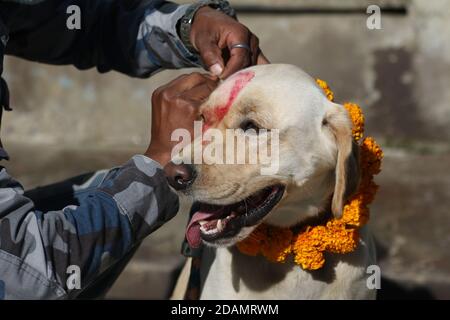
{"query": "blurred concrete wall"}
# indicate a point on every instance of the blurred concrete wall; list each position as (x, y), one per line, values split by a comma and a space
(66, 122)
(400, 75)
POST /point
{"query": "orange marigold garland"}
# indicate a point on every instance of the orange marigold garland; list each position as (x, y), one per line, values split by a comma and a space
(272, 243)
(337, 235)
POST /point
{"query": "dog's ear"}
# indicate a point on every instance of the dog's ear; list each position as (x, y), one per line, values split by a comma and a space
(347, 171)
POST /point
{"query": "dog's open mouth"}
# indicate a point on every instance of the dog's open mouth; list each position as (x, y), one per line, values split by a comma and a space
(214, 222)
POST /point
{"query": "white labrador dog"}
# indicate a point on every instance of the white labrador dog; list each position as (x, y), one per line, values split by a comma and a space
(317, 171)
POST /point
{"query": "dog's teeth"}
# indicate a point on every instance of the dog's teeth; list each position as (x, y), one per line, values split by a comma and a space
(202, 223)
(219, 225)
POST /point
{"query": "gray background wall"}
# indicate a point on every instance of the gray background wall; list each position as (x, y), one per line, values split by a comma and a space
(66, 122)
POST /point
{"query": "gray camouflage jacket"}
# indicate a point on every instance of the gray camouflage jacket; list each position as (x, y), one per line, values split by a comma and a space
(137, 38)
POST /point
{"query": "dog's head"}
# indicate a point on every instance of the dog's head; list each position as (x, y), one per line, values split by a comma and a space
(288, 143)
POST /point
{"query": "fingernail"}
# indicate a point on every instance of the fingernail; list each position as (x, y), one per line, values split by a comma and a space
(216, 69)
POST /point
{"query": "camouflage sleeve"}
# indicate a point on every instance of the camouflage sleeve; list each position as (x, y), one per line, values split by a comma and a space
(38, 249)
(158, 44)
(135, 37)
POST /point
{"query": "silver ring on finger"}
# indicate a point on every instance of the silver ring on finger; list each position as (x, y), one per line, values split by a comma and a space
(241, 45)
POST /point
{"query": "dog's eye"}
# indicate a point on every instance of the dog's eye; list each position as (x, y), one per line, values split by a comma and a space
(249, 125)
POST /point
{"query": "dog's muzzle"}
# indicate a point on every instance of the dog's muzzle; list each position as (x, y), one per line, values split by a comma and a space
(221, 223)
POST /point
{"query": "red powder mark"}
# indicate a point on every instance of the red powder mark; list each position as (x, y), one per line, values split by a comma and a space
(205, 127)
(242, 80)
(216, 114)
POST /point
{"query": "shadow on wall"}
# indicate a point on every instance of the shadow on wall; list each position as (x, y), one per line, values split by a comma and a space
(395, 290)
(392, 290)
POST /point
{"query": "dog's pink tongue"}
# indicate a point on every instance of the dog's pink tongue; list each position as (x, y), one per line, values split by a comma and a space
(193, 228)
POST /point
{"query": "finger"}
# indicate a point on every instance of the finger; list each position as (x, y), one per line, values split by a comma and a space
(199, 94)
(262, 58)
(210, 83)
(184, 83)
(168, 85)
(254, 45)
(239, 57)
(211, 56)
(211, 77)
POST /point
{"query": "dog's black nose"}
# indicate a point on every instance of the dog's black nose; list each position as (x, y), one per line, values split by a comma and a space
(180, 176)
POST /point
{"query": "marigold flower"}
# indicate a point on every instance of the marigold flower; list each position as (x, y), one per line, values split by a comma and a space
(277, 245)
(326, 89)
(357, 118)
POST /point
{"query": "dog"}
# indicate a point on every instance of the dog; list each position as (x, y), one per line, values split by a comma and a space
(318, 169)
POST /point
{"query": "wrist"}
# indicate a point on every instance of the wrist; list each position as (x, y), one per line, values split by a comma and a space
(157, 155)
(184, 25)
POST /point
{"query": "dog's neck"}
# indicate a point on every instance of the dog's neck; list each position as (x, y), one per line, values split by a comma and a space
(303, 202)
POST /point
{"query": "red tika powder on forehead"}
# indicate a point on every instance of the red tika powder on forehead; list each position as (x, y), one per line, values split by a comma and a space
(218, 112)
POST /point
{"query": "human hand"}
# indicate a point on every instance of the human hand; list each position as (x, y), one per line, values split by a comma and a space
(213, 35)
(176, 105)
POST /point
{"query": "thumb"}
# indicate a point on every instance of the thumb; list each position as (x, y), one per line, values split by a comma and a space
(212, 58)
